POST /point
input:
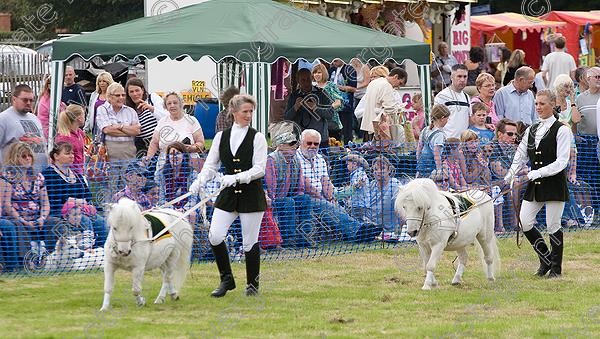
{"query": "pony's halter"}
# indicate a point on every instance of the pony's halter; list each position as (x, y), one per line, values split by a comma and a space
(114, 246)
(422, 220)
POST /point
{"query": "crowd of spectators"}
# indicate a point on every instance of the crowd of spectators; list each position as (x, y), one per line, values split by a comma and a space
(316, 193)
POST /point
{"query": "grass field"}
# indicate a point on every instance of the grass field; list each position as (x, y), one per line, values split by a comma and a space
(371, 294)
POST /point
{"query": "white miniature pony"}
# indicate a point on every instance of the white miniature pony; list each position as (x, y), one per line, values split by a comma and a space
(439, 223)
(129, 247)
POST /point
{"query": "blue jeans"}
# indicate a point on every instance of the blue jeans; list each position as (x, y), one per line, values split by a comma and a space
(8, 245)
(290, 212)
(335, 217)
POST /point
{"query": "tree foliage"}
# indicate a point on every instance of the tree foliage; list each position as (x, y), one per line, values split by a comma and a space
(72, 16)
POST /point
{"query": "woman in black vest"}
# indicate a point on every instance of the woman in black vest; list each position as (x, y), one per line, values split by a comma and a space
(243, 153)
(546, 145)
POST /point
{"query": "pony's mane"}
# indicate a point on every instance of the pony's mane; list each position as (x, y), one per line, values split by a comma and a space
(422, 191)
(125, 210)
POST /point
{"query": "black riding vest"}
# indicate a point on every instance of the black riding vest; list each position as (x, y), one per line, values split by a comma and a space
(552, 188)
(243, 198)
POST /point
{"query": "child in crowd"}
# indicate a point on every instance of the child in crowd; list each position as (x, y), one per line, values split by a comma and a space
(418, 121)
(135, 180)
(431, 143)
(479, 113)
(451, 164)
(358, 190)
(151, 190)
(73, 225)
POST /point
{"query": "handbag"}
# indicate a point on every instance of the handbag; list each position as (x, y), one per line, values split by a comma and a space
(269, 235)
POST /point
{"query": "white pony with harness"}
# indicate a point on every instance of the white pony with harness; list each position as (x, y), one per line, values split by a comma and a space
(132, 245)
(439, 223)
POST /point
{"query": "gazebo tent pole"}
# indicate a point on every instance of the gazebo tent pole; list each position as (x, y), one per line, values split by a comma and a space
(425, 81)
(55, 97)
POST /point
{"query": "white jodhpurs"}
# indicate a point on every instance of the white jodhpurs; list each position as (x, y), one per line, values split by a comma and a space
(222, 220)
(554, 212)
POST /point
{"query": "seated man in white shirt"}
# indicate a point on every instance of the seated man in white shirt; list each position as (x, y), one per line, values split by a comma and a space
(318, 186)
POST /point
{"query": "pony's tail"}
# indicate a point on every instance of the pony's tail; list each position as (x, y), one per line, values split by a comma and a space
(186, 238)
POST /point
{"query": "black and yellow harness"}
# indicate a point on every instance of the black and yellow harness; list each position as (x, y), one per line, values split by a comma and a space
(156, 225)
(460, 207)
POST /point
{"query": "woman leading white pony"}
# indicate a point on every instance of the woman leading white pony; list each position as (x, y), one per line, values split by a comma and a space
(129, 247)
(439, 223)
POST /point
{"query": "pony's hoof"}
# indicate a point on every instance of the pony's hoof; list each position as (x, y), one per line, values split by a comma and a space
(159, 300)
(174, 296)
(491, 279)
(426, 288)
(141, 302)
(456, 283)
(104, 309)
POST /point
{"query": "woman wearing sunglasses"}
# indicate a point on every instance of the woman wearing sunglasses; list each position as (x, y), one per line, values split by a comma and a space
(26, 200)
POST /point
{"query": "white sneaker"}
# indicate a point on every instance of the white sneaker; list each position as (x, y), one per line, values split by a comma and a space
(42, 247)
(588, 215)
(35, 249)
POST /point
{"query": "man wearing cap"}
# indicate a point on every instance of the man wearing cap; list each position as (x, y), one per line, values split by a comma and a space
(135, 181)
(285, 187)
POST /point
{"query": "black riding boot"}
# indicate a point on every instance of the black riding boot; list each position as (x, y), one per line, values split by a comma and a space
(252, 270)
(222, 258)
(539, 246)
(556, 241)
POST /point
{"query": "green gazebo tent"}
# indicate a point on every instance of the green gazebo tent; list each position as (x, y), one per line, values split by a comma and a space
(255, 32)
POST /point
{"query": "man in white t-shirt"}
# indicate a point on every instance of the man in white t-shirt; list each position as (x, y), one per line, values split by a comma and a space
(457, 101)
(558, 62)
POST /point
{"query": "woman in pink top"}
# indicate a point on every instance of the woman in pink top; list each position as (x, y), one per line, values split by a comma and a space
(486, 86)
(42, 109)
(69, 126)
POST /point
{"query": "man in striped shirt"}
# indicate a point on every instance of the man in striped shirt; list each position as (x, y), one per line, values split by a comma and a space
(457, 101)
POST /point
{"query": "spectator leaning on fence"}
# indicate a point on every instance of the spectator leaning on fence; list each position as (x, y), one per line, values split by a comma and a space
(17, 123)
(477, 171)
(478, 125)
(515, 101)
(457, 101)
(176, 126)
(431, 143)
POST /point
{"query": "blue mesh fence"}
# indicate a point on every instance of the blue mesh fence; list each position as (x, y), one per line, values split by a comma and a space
(339, 203)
